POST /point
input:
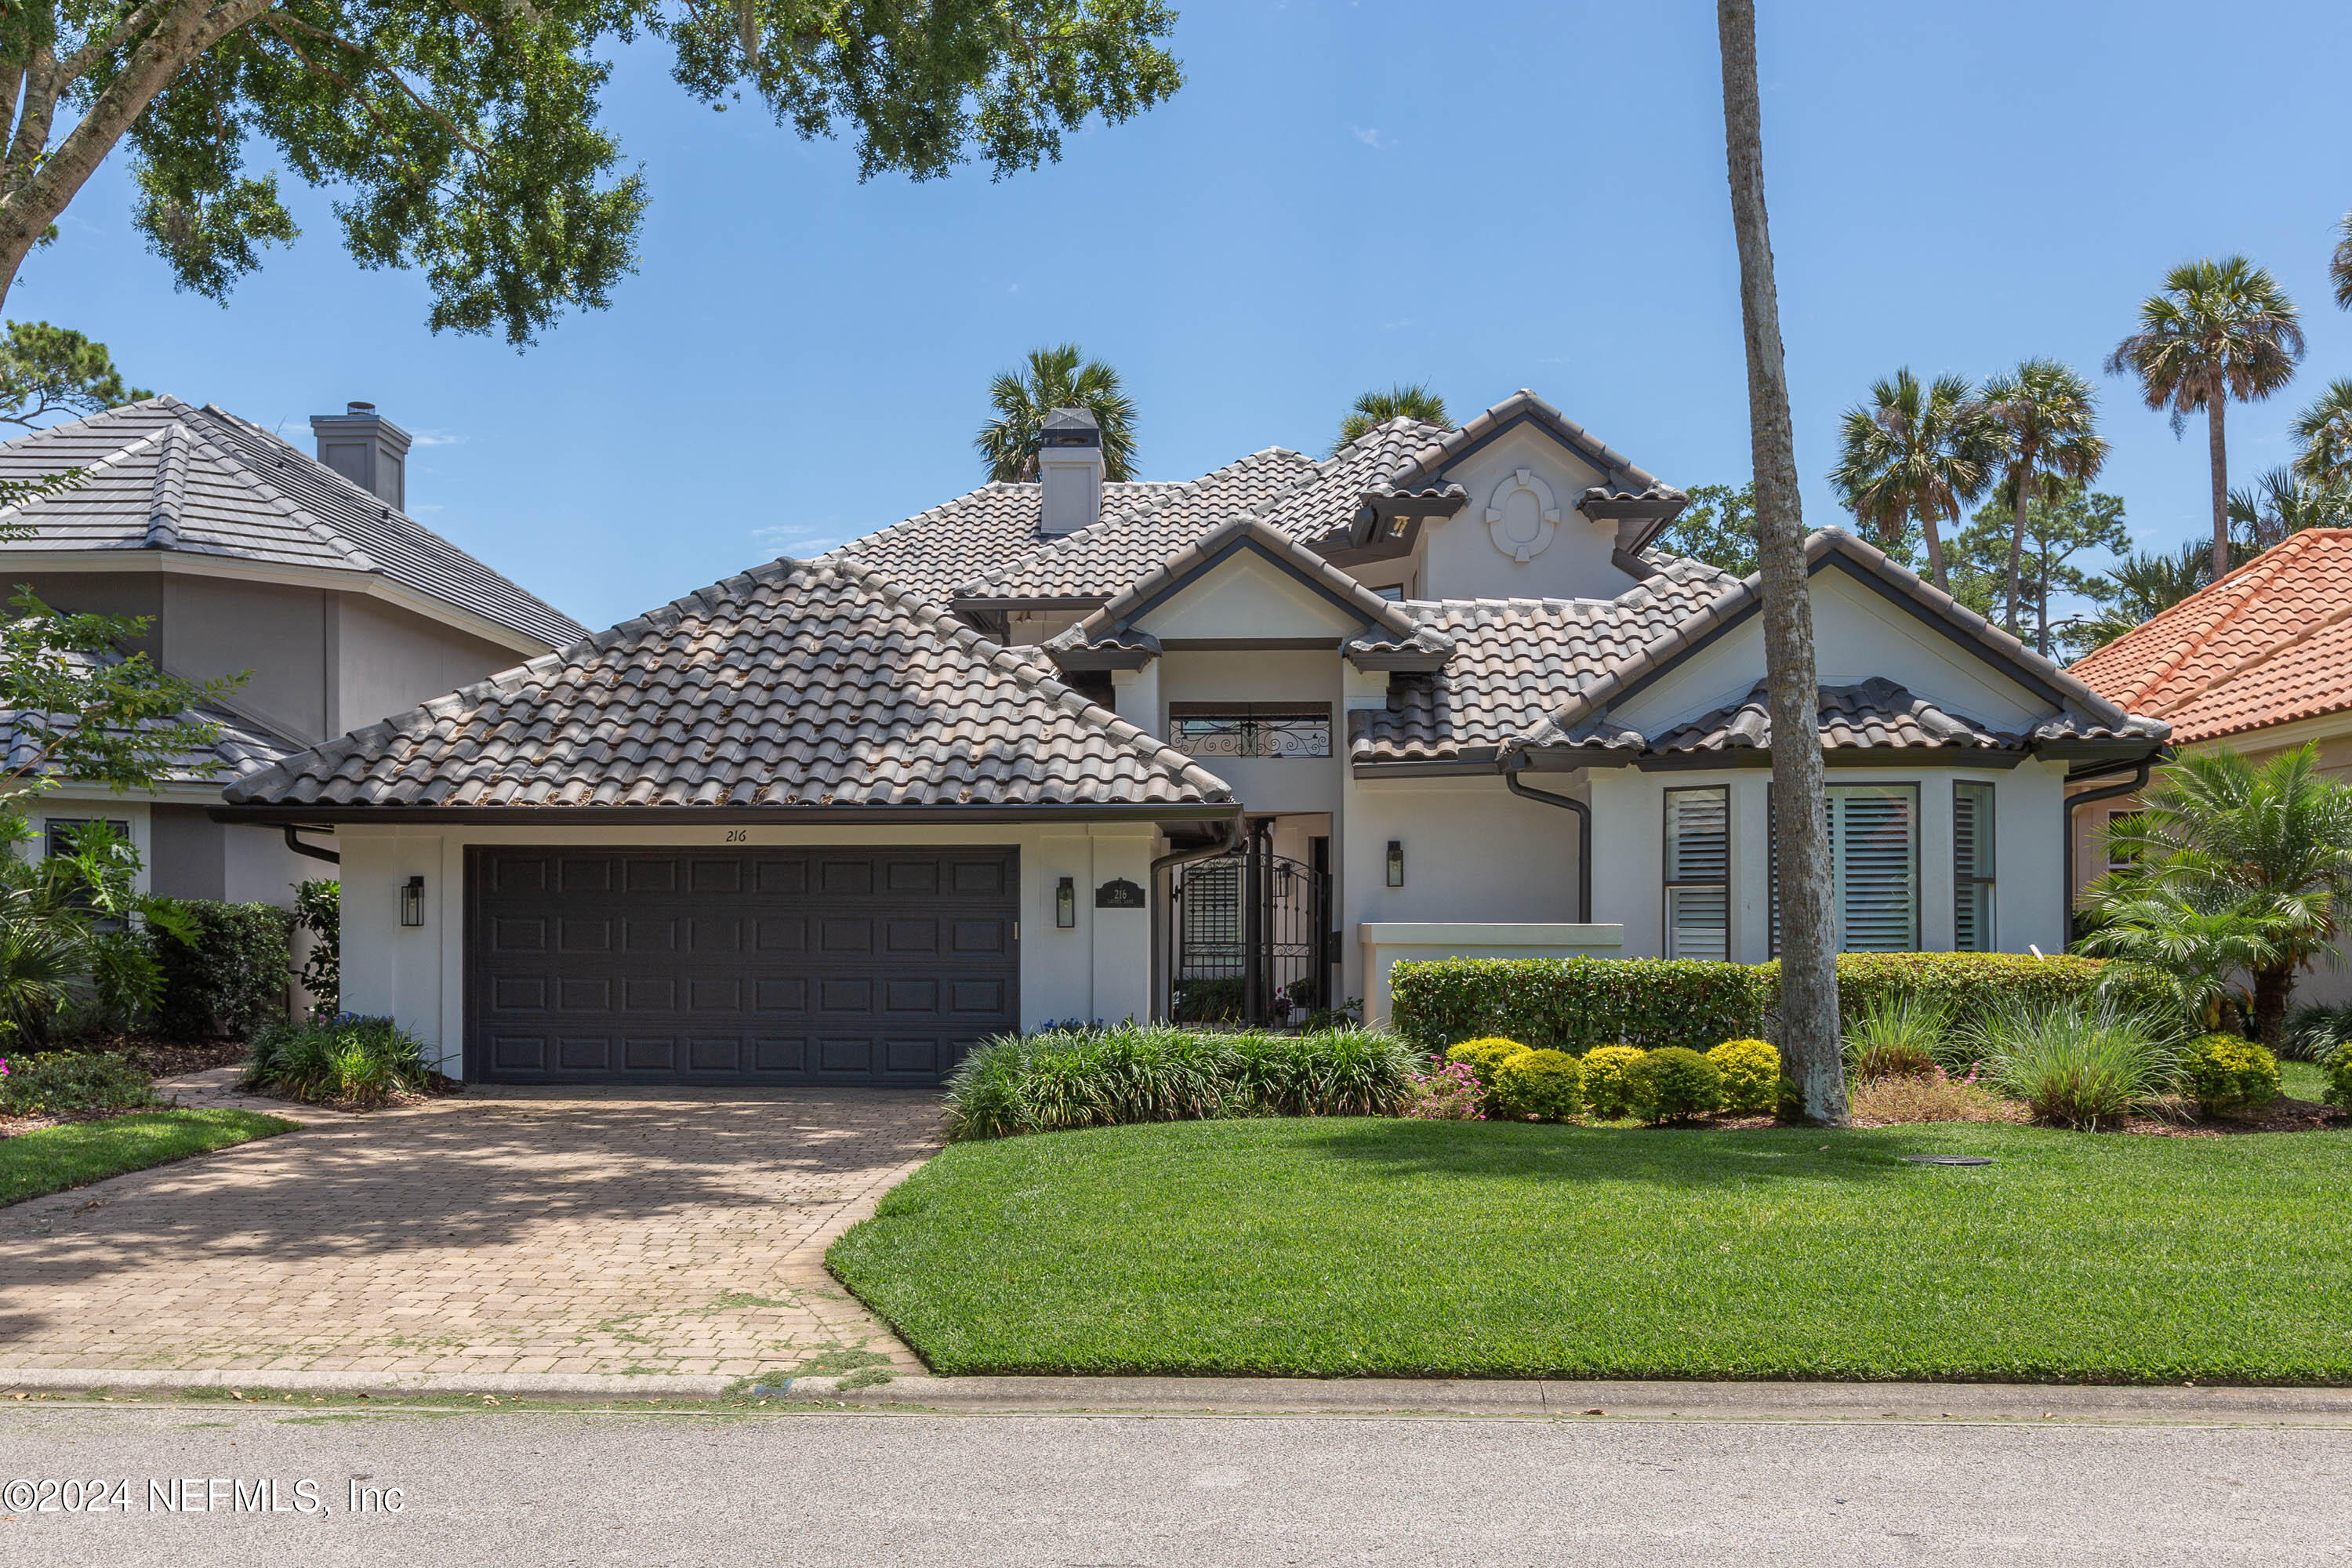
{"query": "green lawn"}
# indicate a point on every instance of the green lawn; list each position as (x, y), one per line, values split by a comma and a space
(2303, 1080)
(1319, 1248)
(56, 1158)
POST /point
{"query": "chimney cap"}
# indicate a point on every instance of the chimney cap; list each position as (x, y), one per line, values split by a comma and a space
(356, 406)
(1071, 428)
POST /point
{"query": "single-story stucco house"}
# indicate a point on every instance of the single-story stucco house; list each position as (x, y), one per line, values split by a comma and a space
(1229, 747)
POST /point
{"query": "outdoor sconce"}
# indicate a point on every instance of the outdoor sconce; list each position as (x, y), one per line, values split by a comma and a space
(412, 901)
(1065, 903)
(1396, 862)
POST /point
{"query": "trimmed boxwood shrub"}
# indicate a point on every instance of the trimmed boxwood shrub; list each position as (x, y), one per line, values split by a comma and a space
(2226, 1073)
(1605, 1092)
(231, 978)
(2339, 1079)
(1545, 1085)
(1752, 1075)
(1576, 1004)
(1675, 1084)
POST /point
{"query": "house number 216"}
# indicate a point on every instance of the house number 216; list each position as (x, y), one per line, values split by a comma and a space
(739, 836)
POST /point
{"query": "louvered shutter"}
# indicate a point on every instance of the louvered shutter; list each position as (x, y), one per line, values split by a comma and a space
(1874, 844)
(1972, 881)
(1698, 873)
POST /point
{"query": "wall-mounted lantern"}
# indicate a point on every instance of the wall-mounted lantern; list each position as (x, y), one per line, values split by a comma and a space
(1396, 862)
(412, 901)
(1065, 903)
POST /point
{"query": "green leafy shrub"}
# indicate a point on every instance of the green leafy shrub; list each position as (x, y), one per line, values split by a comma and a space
(2339, 1079)
(348, 1059)
(1675, 1084)
(1486, 1055)
(2086, 1064)
(2226, 1073)
(1752, 1075)
(1578, 1003)
(319, 909)
(43, 1083)
(1606, 1093)
(227, 975)
(1222, 1000)
(1090, 1077)
(1545, 1085)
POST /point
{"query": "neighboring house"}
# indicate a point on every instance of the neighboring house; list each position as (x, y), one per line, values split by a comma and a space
(1074, 749)
(2259, 662)
(247, 555)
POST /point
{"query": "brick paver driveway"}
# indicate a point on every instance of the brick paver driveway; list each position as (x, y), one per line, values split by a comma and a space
(475, 1235)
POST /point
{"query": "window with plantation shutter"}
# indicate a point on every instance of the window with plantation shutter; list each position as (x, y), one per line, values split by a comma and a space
(1875, 868)
(1972, 868)
(1698, 873)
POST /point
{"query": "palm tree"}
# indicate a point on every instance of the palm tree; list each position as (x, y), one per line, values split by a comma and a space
(2268, 843)
(2281, 502)
(2339, 269)
(1057, 377)
(1916, 452)
(1399, 402)
(1811, 1042)
(2145, 587)
(2324, 432)
(2218, 330)
(2046, 412)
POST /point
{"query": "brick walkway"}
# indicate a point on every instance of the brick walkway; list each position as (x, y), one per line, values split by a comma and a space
(481, 1233)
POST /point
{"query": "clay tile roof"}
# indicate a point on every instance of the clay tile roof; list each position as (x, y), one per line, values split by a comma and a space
(1390, 625)
(161, 475)
(1873, 715)
(2269, 644)
(802, 683)
(1514, 659)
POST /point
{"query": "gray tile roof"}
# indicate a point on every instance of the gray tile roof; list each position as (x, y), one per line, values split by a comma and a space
(1873, 715)
(995, 529)
(161, 475)
(1516, 658)
(801, 683)
(241, 747)
(1583, 723)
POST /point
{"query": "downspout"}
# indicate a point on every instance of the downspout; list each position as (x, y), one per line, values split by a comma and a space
(2132, 785)
(1583, 832)
(312, 850)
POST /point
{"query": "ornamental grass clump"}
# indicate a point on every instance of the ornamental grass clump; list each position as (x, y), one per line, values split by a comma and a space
(2085, 1065)
(346, 1060)
(1752, 1075)
(2226, 1073)
(1676, 1084)
(1896, 1034)
(1606, 1094)
(1097, 1076)
(1548, 1086)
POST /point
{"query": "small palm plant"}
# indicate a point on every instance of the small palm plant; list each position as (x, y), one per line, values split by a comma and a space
(1916, 452)
(1374, 409)
(2217, 331)
(1057, 377)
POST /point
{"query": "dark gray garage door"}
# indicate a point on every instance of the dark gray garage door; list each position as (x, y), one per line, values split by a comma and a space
(816, 966)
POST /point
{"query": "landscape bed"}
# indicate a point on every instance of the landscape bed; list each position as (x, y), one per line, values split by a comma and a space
(1380, 1246)
(52, 1159)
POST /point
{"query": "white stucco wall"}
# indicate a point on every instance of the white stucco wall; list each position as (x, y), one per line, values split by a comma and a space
(1458, 559)
(2029, 838)
(1261, 675)
(1099, 969)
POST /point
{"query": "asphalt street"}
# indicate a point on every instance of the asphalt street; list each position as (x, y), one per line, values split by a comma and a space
(185, 1485)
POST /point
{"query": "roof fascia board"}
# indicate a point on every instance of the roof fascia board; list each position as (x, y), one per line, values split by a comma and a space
(1226, 645)
(2324, 726)
(1460, 767)
(187, 563)
(675, 816)
(1178, 583)
(1837, 757)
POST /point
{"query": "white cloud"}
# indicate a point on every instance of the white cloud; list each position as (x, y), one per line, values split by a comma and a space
(1370, 137)
(796, 540)
(436, 438)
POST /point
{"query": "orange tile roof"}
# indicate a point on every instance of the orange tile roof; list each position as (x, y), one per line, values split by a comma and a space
(2269, 644)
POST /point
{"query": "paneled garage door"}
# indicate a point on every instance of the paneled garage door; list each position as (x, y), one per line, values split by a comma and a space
(781, 966)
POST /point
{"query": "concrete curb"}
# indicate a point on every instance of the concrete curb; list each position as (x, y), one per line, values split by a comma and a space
(1624, 1401)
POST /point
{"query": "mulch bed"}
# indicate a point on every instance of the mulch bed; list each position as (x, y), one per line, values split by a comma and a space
(169, 1058)
(2278, 1116)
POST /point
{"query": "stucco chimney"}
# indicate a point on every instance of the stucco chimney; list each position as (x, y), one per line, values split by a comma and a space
(367, 449)
(1070, 470)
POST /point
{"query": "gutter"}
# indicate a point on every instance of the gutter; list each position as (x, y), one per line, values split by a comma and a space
(312, 850)
(2133, 785)
(1226, 846)
(314, 815)
(1583, 832)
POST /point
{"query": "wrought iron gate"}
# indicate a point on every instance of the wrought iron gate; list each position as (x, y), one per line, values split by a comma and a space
(1246, 938)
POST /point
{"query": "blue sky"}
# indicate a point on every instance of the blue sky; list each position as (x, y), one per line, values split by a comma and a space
(1343, 195)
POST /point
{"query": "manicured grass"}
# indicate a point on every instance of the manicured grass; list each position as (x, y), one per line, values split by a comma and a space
(56, 1158)
(2303, 1080)
(1362, 1246)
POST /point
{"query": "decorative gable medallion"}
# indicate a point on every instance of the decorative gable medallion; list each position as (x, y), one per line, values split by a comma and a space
(1522, 516)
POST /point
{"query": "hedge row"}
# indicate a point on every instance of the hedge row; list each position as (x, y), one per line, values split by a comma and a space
(1575, 1003)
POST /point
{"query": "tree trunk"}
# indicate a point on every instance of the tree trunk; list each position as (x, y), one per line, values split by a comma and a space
(1936, 547)
(2272, 989)
(2017, 548)
(2219, 452)
(1809, 1039)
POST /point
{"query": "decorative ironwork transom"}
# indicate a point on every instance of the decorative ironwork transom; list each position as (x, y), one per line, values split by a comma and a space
(1250, 729)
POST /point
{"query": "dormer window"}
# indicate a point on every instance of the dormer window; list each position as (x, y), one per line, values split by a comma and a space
(1267, 730)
